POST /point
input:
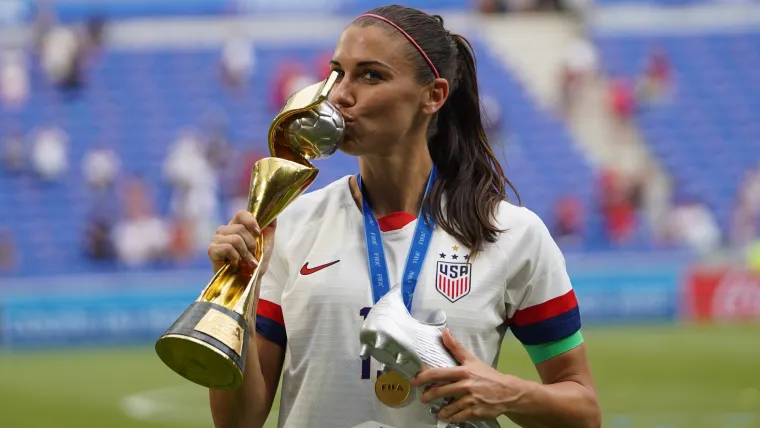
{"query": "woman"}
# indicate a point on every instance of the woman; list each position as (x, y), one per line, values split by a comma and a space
(409, 94)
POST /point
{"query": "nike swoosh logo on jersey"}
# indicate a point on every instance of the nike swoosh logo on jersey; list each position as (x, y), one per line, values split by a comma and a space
(306, 270)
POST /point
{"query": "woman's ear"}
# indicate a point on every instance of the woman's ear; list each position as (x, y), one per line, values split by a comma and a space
(435, 96)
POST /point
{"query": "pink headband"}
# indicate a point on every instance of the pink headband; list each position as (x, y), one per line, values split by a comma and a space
(408, 37)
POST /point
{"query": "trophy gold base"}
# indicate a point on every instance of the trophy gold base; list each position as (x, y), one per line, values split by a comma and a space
(206, 345)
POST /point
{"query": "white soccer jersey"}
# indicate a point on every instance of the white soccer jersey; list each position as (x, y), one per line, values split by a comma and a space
(317, 291)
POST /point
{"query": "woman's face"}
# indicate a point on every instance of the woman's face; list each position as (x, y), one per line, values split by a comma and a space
(377, 92)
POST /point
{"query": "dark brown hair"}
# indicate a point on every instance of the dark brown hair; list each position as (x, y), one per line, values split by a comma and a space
(470, 177)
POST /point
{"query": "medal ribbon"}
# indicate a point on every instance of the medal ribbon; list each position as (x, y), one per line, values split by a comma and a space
(378, 267)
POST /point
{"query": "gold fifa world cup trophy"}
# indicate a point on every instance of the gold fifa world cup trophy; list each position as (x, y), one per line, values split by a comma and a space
(207, 343)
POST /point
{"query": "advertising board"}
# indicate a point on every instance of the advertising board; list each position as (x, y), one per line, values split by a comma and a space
(103, 319)
(628, 296)
(137, 309)
(722, 294)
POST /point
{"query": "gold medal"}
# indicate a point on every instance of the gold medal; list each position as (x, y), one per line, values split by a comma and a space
(392, 389)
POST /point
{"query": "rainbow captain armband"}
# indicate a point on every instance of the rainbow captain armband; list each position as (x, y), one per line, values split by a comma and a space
(550, 328)
(543, 352)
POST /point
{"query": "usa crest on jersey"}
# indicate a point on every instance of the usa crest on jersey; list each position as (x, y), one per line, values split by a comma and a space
(453, 277)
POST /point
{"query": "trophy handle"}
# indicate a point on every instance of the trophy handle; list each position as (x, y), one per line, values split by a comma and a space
(299, 102)
(228, 286)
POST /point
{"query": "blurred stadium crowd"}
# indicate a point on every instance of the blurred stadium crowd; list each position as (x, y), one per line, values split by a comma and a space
(78, 120)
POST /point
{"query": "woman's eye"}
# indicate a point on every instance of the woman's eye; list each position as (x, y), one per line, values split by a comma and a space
(372, 75)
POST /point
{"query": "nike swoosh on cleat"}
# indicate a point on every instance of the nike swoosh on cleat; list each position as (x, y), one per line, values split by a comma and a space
(306, 270)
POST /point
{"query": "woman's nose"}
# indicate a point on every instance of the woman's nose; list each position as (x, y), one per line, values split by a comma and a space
(341, 95)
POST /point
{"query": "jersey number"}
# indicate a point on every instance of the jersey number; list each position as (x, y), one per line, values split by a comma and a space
(366, 363)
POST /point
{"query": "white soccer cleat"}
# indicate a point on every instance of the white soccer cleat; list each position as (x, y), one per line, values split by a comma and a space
(404, 344)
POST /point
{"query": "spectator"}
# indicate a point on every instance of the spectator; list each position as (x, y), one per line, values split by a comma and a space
(578, 67)
(14, 153)
(98, 245)
(8, 253)
(581, 11)
(194, 187)
(217, 151)
(95, 32)
(617, 208)
(622, 100)
(62, 55)
(290, 78)
(298, 82)
(217, 147)
(197, 206)
(140, 237)
(750, 189)
(237, 61)
(693, 225)
(44, 22)
(182, 242)
(744, 227)
(656, 80)
(14, 79)
(631, 164)
(745, 221)
(100, 167)
(186, 160)
(492, 6)
(568, 220)
(50, 153)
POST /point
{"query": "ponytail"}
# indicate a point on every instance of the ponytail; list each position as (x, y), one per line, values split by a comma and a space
(470, 181)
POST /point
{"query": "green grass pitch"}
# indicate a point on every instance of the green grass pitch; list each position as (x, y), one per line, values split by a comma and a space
(648, 377)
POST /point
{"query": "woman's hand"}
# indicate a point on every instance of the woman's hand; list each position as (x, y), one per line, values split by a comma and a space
(480, 391)
(236, 243)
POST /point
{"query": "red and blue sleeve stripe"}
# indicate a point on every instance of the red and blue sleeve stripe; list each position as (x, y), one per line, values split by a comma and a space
(547, 322)
(270, 324)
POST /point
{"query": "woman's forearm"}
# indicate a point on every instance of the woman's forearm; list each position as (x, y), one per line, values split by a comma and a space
(247, 406)
(565, 404)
